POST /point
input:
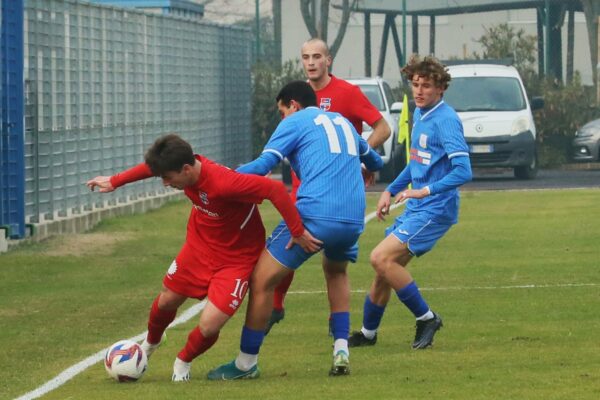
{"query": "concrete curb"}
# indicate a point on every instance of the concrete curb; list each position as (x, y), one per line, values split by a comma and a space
(79, 223)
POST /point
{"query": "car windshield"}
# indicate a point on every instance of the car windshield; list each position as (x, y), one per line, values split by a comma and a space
(374, 95)
(485, 94)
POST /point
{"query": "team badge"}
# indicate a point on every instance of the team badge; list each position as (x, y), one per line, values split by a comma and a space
(423, 140)
(203, 197)
(325, 104)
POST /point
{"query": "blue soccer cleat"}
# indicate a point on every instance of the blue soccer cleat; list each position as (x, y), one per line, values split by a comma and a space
(229, 372)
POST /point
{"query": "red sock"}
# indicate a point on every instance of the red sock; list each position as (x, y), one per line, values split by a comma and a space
(196, 345)
(158, 322)
(281, 291)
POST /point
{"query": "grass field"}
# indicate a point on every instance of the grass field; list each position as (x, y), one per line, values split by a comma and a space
(517, 282)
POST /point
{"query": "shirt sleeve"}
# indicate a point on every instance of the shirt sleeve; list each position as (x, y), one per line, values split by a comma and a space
(401, 181)
(254, 189)
(458, 175)
(363, 108)
(260, 166)
(284, 139)
(137, 173)
(453, 138)
(368, 156)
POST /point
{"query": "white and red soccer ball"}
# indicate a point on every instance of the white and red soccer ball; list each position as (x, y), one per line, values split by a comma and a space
(125, 361)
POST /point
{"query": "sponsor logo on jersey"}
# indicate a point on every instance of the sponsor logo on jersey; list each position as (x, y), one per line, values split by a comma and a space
(325, 104)
(205, 211)
(203, 197)
(420, 156)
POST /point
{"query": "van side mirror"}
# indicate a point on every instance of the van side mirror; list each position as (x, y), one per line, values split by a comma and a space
(396, 107)
(537, 103)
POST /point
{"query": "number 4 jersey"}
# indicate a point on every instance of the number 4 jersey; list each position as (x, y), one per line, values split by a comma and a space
(323, 149)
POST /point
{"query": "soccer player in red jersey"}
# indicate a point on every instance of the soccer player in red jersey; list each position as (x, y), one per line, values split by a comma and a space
(225, 237)
(335, 95)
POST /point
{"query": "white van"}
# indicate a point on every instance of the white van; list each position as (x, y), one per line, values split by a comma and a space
(491, 101)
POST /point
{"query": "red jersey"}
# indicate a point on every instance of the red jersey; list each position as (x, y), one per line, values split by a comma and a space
(225, 224)
(347, 99)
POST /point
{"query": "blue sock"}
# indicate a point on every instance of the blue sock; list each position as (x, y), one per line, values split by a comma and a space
(372, 314)
(251, 340)
(411, 297)
(340, 325)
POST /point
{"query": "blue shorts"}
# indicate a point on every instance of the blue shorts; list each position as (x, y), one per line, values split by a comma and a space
(418, 231)
(340, 242)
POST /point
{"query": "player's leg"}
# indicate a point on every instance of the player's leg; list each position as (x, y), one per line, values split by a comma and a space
(164, 308)
(281, 290)
(279, 294)
(273, 265)
(416, 235)
(199, 340)
(338, 293)
(267, 274)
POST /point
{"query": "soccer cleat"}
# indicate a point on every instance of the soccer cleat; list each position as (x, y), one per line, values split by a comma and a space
(341, 364)
(149, 348)
(358, 339)
(276, 317)
(425, 332)
(181, 371)
(229, 371)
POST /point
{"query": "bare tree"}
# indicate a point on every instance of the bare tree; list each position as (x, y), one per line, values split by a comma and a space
(316, 18)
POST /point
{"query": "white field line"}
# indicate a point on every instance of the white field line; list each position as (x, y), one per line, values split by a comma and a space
(81, 366)
(188, 314)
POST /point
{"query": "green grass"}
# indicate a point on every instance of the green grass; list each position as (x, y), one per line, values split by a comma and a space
(63, 300)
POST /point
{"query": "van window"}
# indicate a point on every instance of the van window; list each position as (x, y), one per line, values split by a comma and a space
(374, 95)
(485, 94)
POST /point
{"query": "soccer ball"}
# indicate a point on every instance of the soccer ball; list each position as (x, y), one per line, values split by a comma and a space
(125, 361)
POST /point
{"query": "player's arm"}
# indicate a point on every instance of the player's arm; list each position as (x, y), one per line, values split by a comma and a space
(254, 189)
(381, 133)
(370, 158)
(458, 152)
(261, 165)
(107, 184)
(459, 174)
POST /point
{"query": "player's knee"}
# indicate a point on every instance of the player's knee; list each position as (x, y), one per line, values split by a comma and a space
(379, 261)
(209, 330)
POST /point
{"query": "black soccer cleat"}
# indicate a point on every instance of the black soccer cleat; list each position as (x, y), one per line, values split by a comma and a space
(276, 317)
(358, 339)
(425, 332)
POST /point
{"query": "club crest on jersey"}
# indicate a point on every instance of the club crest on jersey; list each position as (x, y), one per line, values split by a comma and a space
(423, 140)
(325, 104)
(203, 197)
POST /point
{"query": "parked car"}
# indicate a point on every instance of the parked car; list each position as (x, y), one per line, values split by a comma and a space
(491, 101)
(380, 94)
(586, 145)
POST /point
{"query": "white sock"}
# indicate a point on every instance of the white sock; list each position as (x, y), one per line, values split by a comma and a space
(427, 316)
(340, 344)
(369, 334)
(245, 361)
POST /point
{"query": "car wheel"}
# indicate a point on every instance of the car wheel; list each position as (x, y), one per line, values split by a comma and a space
(527, 171)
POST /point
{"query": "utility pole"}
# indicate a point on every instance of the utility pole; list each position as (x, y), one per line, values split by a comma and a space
(403, 32)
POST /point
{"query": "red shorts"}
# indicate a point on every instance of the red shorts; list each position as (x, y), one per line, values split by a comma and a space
(224, 284)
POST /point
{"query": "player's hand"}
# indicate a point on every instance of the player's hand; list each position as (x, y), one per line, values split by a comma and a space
(383, 205)
(102, 182)
(368, 177)
(411, 194)
(308, 242)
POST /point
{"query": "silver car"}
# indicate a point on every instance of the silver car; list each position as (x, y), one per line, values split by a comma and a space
(586, 145)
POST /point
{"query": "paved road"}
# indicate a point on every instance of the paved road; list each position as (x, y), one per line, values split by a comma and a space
(547, 179)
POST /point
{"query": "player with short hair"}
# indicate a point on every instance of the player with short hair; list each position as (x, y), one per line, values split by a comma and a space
(225, 237)
(326, 152)
(439, 164)
(334, 95)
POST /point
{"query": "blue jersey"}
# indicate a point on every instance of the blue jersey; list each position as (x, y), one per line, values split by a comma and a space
(437, 138)
(323, 149)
